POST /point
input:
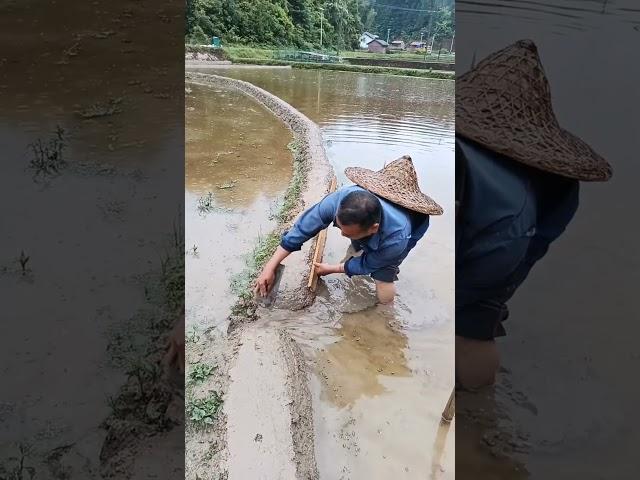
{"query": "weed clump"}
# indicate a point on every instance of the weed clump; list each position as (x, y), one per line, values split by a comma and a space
(201, 371)
(48, 159)
(203, 411)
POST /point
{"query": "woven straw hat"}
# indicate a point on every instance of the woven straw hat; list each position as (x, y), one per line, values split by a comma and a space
(504, 104)
(396, 182)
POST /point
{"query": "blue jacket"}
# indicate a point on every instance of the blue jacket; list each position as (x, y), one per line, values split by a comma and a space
(509, 214)
(400, 230)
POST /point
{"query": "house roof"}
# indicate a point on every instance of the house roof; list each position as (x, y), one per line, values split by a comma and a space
(370, 35)
(380, 41)
(417, 43)
(397, 41)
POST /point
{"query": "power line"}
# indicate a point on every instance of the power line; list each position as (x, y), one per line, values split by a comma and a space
(393, 7)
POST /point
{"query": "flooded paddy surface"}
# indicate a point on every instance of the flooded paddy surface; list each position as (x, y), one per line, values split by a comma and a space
(237, 165)
(381, 376)
(56, 393)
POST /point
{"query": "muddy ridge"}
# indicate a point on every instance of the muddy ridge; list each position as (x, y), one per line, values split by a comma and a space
(294, 293)
(301, 409)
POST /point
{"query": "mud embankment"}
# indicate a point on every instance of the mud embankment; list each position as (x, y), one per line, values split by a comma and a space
(267, 370)
(375, 62)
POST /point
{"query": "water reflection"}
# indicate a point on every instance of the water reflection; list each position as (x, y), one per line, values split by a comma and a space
(235, 148)
(367, 348)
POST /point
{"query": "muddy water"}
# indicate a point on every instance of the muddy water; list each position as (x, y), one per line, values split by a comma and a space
(236, 158)
(552, 389)
(56, 61)
(381, 377)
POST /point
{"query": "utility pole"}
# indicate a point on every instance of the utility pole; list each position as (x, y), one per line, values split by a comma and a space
(388, 31)
(321, 15)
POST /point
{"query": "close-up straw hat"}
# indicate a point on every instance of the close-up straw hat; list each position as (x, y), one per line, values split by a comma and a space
(396, 182)
(504, 104)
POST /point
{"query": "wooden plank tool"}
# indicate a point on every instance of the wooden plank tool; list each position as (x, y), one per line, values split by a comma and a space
(321, 241)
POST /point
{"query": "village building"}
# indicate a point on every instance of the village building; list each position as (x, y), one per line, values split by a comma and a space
(365, 39)
(417, 46)
(397, 45)
(377, 46)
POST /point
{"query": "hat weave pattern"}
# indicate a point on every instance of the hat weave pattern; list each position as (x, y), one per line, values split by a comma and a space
(504, 104)
(396, 182)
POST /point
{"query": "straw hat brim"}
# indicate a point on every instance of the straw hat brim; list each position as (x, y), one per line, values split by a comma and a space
(504, 104)
(413, 200)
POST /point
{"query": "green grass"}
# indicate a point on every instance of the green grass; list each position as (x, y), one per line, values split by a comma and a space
(418, 57)
(201, 371)
(203, 411)
(242, 283)
(410, 72)
(292, 194)
(241, 51)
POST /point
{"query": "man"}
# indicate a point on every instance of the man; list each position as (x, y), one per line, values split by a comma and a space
(517, 183)
(384, 215)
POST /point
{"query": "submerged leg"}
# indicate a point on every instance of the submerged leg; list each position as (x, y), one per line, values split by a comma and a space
(477, 362)
(386, 291)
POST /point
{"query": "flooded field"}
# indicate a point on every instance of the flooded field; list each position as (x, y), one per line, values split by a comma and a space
(563, 401)
(237, 164)
(119, 165)
(381, 376)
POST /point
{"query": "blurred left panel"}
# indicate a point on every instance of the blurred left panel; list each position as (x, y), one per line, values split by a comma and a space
(92, 239)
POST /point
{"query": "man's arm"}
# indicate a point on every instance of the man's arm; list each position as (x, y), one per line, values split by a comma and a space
(311, 222)
(306, 227)
(370, 262)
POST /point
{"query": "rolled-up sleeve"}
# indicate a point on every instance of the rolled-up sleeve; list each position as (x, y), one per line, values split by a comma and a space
(369, 262)
(311, 222)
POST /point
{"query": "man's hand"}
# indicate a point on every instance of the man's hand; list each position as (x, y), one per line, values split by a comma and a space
(327, 269)
(264, 283)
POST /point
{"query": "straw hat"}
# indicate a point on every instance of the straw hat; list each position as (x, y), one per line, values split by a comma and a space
(396, 182)
(504, 104)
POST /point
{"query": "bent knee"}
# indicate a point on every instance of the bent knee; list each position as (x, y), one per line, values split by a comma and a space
(385, 291)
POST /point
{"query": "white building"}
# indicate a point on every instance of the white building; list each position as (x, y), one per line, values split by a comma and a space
(365, 38)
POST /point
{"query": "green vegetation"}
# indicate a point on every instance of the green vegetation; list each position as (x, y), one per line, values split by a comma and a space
(203, 411)
(201, 371)
(408, 18)
(411, 72)
(296, 23)
(242, 283)
(445, 57)
(292, 195)
(235, 52)
(274, 22)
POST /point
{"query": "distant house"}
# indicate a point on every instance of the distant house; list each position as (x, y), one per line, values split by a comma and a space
(416, 46)
(377, 46)
(397, 45)
(366, 38)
